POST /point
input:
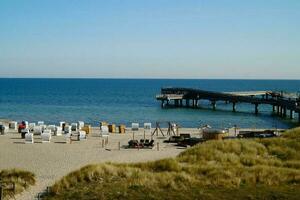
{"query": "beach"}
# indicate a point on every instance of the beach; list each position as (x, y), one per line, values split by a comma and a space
(51, 161)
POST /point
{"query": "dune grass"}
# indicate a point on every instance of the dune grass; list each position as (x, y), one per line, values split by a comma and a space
(21, 179)
(229, 169)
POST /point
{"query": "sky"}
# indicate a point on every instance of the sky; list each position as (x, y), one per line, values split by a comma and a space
(230, 39)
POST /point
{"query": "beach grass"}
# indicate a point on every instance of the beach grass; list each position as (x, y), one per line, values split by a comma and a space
(225, 169)
(15, 181)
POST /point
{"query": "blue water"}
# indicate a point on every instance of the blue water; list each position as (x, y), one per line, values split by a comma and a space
(131, 100)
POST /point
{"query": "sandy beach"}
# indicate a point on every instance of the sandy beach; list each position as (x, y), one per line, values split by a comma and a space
(51, 161)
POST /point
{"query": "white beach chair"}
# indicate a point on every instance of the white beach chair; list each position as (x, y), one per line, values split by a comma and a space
(13, 125)
(82, 135)
(37, 130)
(58, 131)
(29, 138)
(46, 136)
(104, 131)
(40, 123)
(67, 130)
(135, 126)
(31, 126)
(68, 138)
(147, 126)
(74, 127)
(62, 125)
(52, 128)
(3, 129)
(80, 125)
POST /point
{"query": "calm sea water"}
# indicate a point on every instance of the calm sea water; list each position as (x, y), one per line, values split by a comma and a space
(131, 100)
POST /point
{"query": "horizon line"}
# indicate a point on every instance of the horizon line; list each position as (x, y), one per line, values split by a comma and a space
(152, 78)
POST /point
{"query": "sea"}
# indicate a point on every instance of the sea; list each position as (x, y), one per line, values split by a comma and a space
(124, 101)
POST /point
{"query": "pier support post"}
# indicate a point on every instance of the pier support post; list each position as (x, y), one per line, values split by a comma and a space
(233, 107)
(187, 103)
(256, 108)
(284, 111)
(299, 117)
(273, 108)
(278, 110)
(281, 111)
(180, 101)
(176, 102)
(162, 103)
(213, 103)
(291, 114)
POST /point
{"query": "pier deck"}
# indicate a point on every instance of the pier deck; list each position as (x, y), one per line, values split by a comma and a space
(281, 102)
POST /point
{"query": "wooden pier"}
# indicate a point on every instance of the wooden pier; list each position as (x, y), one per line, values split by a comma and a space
(284, 105)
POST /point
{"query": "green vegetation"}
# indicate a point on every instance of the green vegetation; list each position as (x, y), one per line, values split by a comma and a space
(229, 169)
(15, 181)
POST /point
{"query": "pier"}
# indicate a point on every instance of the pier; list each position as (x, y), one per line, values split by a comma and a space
(283, 104)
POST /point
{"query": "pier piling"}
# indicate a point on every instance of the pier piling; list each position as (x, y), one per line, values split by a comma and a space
(256, 108)
(233, 107)
(291, 114)
(213, 103)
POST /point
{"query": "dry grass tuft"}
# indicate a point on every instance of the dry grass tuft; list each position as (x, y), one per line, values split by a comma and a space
(21, 179)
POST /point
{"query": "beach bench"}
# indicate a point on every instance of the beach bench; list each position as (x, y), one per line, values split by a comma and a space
(31, 126)
(82, 135)
(80, 125)
(52, 128)
(58, 131)
(29, 138)
(13, 125)
(67, 130)
(46, 136)
(147, 126)
(40, 123)
(68, 137)
(104, 131)
(74, 127)
(135, 126)
(37, 130)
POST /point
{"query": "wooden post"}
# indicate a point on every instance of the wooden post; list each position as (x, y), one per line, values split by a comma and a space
(284, 111)
(278, 110)
(102, 143)
(213, 103)
(119, 146)
(187, 103)
(132, 135)
(273, 108)
(233, 107)
(256, 108)
(157, 146)
(291, 114)
(176, 102)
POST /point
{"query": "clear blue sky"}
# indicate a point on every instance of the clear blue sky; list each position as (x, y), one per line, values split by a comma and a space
(150, 38)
